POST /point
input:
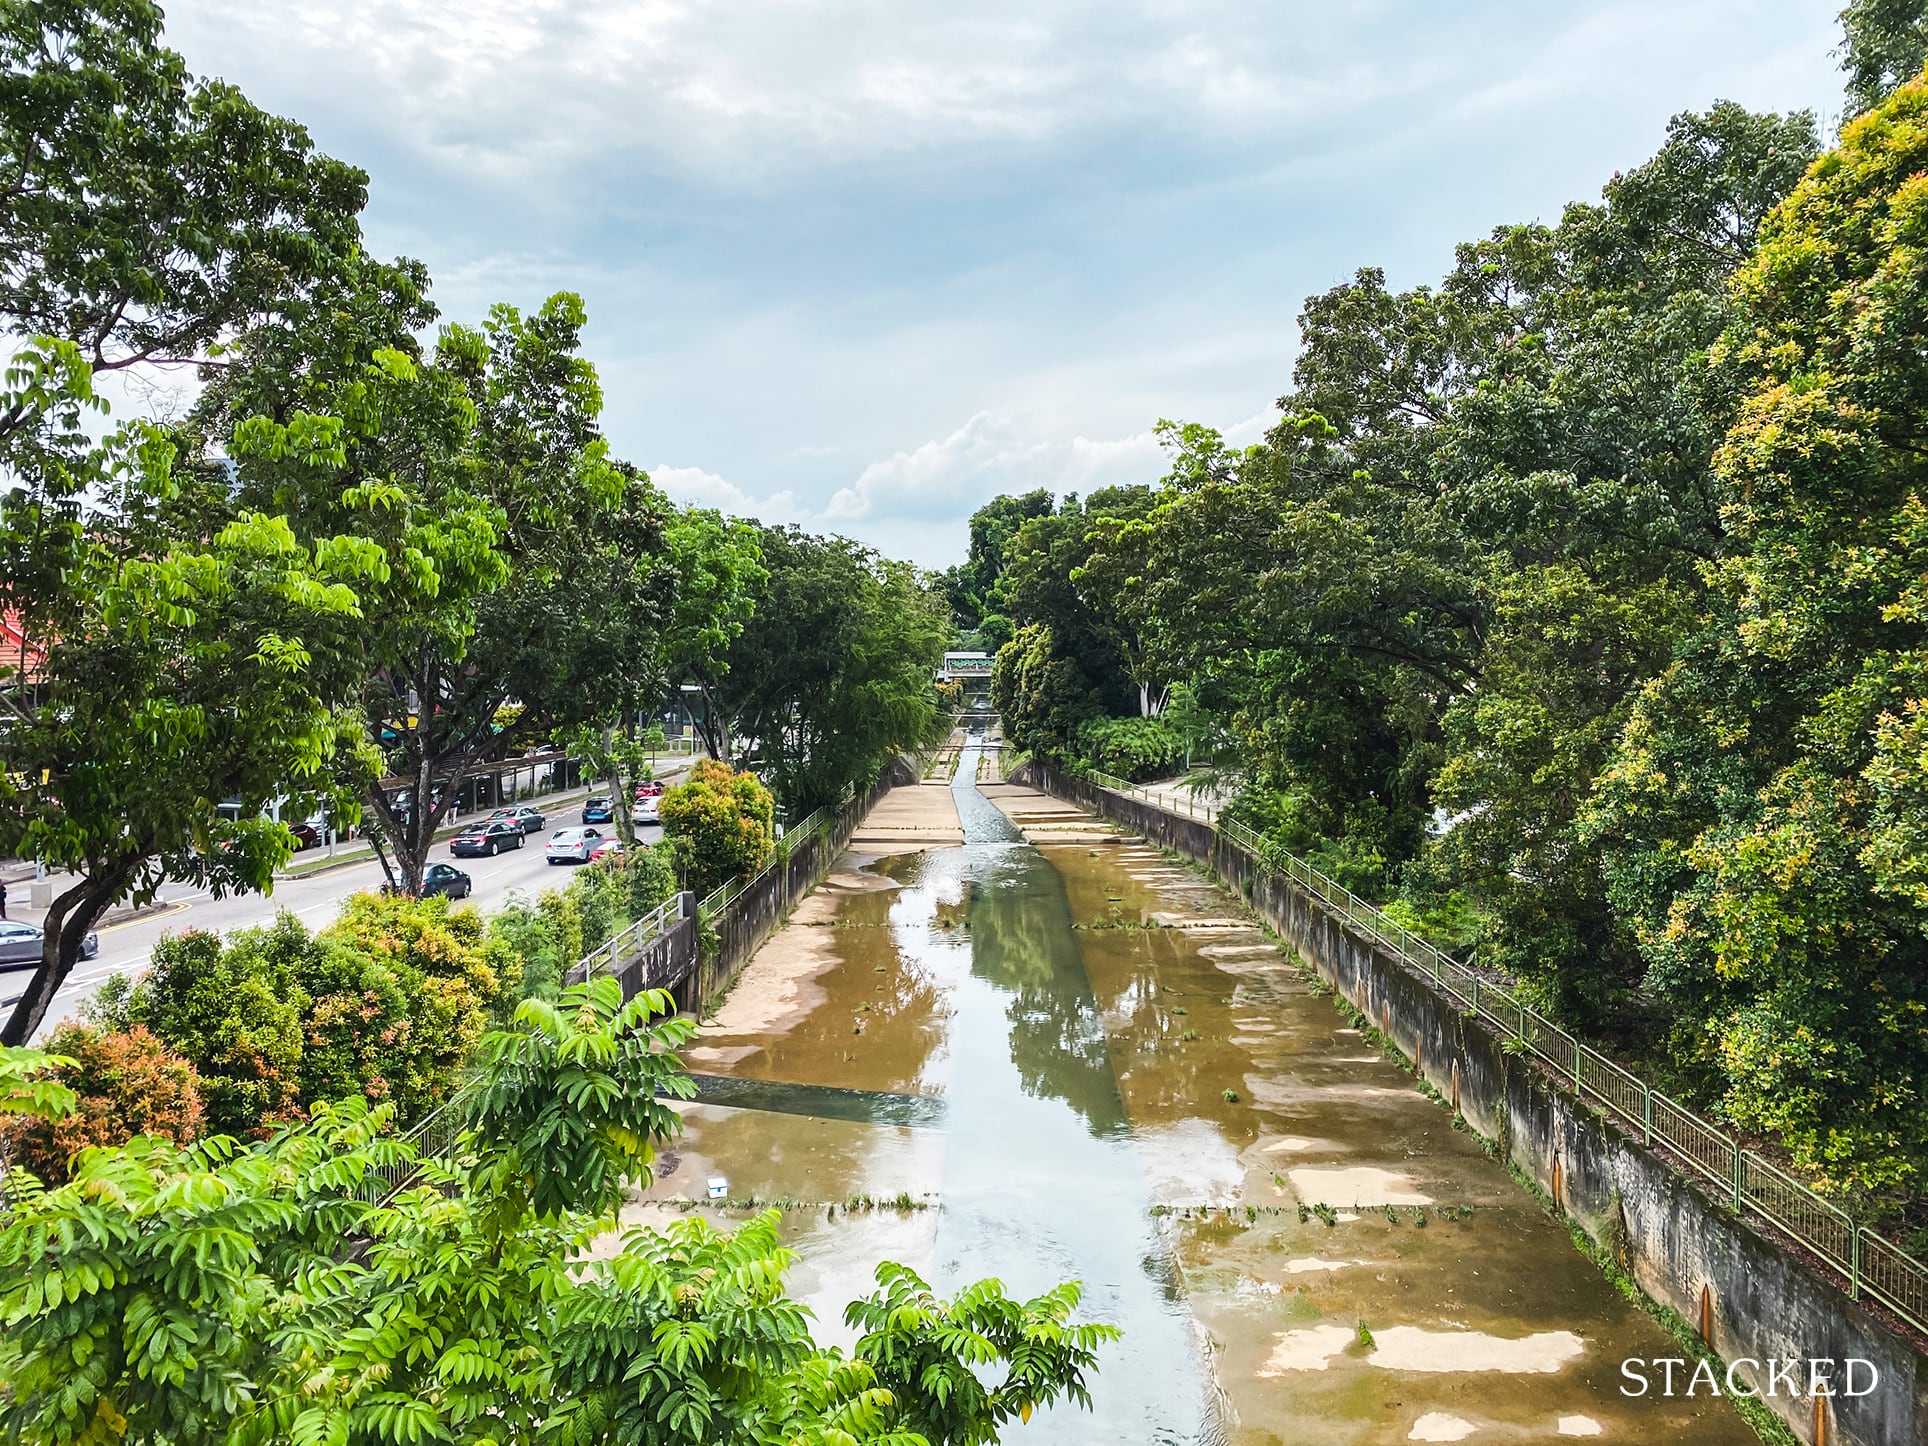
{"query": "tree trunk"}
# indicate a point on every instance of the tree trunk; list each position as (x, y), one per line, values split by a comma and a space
(64, 931)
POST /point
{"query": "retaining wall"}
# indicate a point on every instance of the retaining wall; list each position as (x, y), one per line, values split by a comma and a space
(1752, 1299)
(666, 960)
(754, 914)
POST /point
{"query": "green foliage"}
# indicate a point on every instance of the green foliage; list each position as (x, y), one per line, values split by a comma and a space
(721, 824)
(569, 1102)
(149, 215)
(834, 673)
(26, 1092)
(932, 1355)
(547, 938)
(106, 1088)
(1884, 42)
(202, 1294)
(388, 1003)
(1042, 697)
(1135, 749)
(1763, 820)
(236, 1015)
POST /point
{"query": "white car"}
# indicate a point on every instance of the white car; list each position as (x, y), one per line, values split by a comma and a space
(573, 845)
(648, 809)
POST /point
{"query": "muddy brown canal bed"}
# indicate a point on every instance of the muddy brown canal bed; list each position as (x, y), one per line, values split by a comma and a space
(1072, 1058)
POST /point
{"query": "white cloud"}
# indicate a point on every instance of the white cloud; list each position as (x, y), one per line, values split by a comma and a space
(950, 476)
(692, 486)
(814, 234)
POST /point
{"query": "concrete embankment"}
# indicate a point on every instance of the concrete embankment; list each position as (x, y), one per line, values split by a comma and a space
(1753, 1301)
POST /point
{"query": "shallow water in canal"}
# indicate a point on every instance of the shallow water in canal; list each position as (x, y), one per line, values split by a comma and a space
(1082, 1061)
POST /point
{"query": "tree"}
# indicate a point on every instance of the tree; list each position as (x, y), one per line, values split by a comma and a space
(717, 570)
(1884, 43)
(145, 214)
(235, 1018)
(974, 588)
(202, 1294)
(481, 473)
(182, 667)
(721, 824)
(835, 671)
(1764, 814)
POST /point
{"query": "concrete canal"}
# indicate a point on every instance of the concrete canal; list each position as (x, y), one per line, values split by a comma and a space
(1062, 1056)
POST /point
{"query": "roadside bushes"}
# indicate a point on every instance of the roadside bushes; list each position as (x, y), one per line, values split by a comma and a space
(387, 1003)
(126, 1083)
(242, 1035)
(721, 823)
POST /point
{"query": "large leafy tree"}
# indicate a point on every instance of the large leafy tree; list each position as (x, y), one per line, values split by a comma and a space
(980, 603)
(1478, 530)
(1884, 42)
(480, 470)
(145, 214)
(181, 668)
(1766, 812)
(203, 1294)
(834, 672)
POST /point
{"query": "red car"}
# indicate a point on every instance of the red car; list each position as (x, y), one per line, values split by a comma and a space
(606, 849)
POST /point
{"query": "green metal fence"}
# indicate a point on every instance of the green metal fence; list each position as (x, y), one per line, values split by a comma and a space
(1872, 1266)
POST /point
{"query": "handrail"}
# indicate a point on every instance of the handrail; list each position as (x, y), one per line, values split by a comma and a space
(1873, 1266)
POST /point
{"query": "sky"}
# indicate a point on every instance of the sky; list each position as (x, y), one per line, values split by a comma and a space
(863, 264)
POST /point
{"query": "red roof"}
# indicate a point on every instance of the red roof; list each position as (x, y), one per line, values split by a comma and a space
(19, 654)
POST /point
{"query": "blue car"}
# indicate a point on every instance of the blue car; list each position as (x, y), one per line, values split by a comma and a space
(597, 810)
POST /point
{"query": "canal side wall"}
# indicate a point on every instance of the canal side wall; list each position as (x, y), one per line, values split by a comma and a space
(665, 960)
(754, 915)
(1751, 1299)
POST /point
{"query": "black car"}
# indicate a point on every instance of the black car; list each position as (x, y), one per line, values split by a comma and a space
(486, 840)
(598, 810)
(446, 879)
(524, 818)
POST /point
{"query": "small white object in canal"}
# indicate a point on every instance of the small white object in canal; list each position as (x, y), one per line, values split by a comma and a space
(719, 1188)
(1438, 1426)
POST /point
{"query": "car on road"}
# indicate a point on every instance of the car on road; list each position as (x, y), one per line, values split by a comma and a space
(600, 809)
(608, 848)
(446, 879)
(524, 818)
(21, 944)
(307, 836)
(648, 809)
(486, 840)
(649, 790)
(574, 845)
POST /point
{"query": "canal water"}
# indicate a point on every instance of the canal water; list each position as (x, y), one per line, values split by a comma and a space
(1076, 1059)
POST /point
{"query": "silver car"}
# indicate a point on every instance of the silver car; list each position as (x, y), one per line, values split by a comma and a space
(573, 845)
(21, 944)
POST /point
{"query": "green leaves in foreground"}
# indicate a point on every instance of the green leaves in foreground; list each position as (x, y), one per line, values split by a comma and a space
(568, 1103)
(290, 1293)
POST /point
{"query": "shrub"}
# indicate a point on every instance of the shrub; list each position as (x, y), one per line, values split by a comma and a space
(236, 1016)
(722, 824)
(1135, 749)
(450, 977)
(127, 1083)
